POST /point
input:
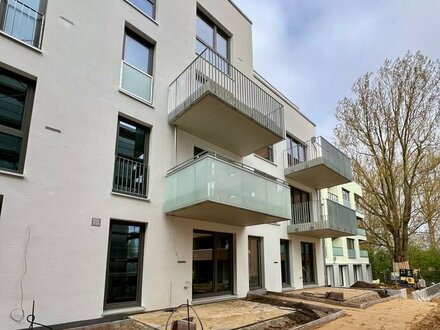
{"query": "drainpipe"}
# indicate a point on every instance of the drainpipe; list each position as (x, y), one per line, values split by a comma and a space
(323, 246)
(175, 145)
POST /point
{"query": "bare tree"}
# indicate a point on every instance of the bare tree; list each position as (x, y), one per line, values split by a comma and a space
(388, 127)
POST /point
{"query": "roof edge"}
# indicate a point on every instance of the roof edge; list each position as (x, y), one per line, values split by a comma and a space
(240, 11)
(281, 95)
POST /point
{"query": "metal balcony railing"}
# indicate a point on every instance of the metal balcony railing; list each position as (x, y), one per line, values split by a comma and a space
(130, 177)
(338, 251)
(363, 253)
(351, 253)
(333, 197)
(21, 22)
(210, 72)
(319, 148)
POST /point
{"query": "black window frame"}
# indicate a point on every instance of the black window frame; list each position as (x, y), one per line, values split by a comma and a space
(1, 205)
(144, 42)
(303, 150)
(216, 30)
(138, 301)
(350, 244)
(345, 193)
(145, 161)
(22, 133)
(153, 2)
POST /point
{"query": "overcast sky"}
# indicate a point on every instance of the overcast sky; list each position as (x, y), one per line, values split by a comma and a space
(314, 50)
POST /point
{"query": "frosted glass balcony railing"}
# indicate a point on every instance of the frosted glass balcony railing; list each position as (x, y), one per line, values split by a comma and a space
(136, 82)
(363, 253)
(338, 251)
(322, 218)
(21, 21)
(318, 164)
(214, 188)
(361, 232)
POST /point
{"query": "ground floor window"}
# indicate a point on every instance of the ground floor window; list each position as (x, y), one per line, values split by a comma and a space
(212, 264)
(308, 262)
(357, 269)
(343, 274)
(124, 264)
(285, 263)
(255, 263)
(330, 276)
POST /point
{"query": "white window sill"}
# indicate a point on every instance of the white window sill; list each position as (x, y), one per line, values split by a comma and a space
(145, 199)
(17, 175)
(128, 310)
(123, 91)
(266, 160)
(38, 50)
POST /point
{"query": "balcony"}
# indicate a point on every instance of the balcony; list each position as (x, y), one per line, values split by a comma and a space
(363, 253)
(211, 187)
(338, 251)
(322, 218)
(318, 164)
(211, 99)
(22, 22)
(130, 177)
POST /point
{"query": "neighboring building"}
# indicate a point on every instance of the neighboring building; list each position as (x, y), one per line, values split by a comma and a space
(136, 174)
(346, 261)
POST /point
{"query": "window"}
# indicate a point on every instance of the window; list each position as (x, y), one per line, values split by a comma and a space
(131, 162)
(285, 263)
(23, 20)
(145, 6)
(346, 197)
(124, 264)
(209, 35)
(255, 263)
(1, 204)
(301, 206)
(137, 67)
(16, 96)
(350, 243)
(266, 153)
(296, 151)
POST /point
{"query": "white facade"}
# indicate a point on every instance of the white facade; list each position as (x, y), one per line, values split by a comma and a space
(48, 245)
(346, 263)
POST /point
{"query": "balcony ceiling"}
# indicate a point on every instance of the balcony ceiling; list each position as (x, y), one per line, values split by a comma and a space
(220, 123)
(315, 174)
(225, 214)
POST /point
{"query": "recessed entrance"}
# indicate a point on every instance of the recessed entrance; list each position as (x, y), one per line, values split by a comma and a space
(212, 264)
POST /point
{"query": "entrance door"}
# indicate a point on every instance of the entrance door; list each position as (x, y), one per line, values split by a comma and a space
(212, 264)
(255, 264)
(308, 263)
(124, 265)
(285, 263)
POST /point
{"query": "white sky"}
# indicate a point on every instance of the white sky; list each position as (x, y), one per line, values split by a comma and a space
(314, 50)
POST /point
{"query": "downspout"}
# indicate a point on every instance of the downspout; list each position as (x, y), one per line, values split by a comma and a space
(175, 145)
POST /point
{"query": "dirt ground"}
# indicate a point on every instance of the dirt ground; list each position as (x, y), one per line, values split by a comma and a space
(391, 315)
(216, 316)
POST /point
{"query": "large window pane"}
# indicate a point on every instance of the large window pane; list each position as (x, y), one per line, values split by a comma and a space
(131, 141)
(205, 32)
(23, 20)
(145, 6)
(222, 45)
(12, 101)
(10, 148)
(137, 54)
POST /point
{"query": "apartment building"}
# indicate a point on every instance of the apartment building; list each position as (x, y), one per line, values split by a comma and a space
(143, 162)
(346, 261)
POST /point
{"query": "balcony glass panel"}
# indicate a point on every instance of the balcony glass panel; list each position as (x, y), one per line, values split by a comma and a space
(211, 178)
(136, 82)
(338, 251)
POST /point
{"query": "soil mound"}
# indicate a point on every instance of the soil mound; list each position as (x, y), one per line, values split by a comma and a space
(365, 285)
(430, 321)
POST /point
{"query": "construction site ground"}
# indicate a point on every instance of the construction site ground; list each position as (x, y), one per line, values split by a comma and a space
(394, 314)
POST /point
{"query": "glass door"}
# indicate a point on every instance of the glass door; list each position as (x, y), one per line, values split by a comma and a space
(124, 265)
(212, 264)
